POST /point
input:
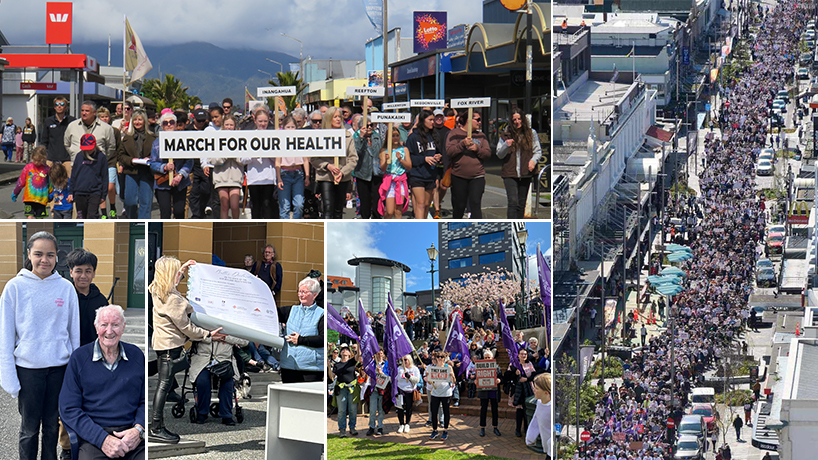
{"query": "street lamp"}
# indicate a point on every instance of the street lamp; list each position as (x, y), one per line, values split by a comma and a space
(276, 62)
(522, 236)
(267, 73)
(432, 252)
(301, 61)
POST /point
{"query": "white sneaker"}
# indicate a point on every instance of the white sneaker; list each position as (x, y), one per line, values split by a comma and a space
(400, 428)
(406, 430)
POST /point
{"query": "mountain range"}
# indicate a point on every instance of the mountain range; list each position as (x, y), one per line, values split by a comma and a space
(211, 72)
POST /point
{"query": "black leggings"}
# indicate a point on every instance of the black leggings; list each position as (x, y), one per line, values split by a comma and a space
(436, 402)
(522, 422)
(263, 200)
(165, 377)
(484, 403)
(333, 198)
(408, 403)
(369, 194)
(172, 200)
(467, 191)
(517, 194)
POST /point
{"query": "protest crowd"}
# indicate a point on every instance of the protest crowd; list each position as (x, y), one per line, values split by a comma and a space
(377, 369)
(77, 384)
(630, 421)
(80, 166)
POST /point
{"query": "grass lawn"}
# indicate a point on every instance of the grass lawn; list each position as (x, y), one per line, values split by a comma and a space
(348, 448)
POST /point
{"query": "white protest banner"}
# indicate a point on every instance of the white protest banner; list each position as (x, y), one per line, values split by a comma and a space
(235, 300)
(471, 102)
(486, 373)
(382, 382)
(428, 103)
(253, 143)
(395, 105)
(371, 91)
(272, 91)
(438, 374)
(385, 117)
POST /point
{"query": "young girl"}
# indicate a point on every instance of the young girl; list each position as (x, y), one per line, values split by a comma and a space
(293, 176)
(62, 206)
(39, 313)
(90, 174)
(34, 184)
(394, 189)
(228, 175)
(18, 143)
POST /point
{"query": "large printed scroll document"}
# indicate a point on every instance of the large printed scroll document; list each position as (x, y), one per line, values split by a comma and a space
(235, 300)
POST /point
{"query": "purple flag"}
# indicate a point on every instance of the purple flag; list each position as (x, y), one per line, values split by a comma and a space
(456, 342)
(395, 344)
(337, 324)
(368, 343)
(545, 293)
(508, 341)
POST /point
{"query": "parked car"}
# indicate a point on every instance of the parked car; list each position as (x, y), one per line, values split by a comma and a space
(783, 95)
(775, 230)
(767, 154)
(780, 106)
(764, 168)
(805, 59)
(765, 278)
(703, 395)
(803, 73)
(689, 448)
(775, 245)
(708, 413)
(764, 263)
(694, 425)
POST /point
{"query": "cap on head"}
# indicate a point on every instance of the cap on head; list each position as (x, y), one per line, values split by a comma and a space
(200, 115)
(88, 142)
(438, 112)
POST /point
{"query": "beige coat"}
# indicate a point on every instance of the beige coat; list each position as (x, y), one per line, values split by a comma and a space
(171, 323)
(347, 164)
(207, 351)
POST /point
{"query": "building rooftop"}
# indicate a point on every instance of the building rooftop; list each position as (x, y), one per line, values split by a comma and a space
(379, 261)
(594, 100)
(806, 378)
(623, 51)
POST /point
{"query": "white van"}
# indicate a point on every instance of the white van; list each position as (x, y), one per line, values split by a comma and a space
(703, 395)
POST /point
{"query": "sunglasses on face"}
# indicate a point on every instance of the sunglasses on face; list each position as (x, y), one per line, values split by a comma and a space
(478, 119)
(226, 107)
(168, 123)
(316, 121)
(128, 109)
(60, 104)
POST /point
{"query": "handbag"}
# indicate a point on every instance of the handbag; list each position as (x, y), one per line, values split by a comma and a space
(416, 396)
(182, 363)
(224, 369)
(446, 181)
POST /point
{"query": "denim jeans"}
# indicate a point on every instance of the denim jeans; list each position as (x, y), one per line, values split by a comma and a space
(375, 406)
(291, 198)
(38, 402)
(203, 395)
(138, 195)
(262, 354)
(346, 405)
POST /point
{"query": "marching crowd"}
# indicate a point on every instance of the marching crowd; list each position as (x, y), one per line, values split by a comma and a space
(81, 165)
(712, 307)
(350, 384)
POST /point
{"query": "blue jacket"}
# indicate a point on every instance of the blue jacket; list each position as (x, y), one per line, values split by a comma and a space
(90, 177)
(157, 165)
(92, 397)
(420, 169)
(308, 322)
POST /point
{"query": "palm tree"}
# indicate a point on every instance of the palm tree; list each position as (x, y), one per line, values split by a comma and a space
(287, 78)
(168, 93)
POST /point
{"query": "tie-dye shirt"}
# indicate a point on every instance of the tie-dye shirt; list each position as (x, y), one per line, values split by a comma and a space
(34, 183)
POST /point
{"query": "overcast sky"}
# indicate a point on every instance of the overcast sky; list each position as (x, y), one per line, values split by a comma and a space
(328, 28)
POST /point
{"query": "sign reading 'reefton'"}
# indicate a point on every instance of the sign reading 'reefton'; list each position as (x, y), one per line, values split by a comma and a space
(253, 143)
(371, 91)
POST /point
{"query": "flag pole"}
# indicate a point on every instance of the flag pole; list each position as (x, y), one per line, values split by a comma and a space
(124, 51)
(633, 60)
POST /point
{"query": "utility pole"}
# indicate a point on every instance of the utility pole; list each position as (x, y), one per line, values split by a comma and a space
(529, 61)
(385, 54)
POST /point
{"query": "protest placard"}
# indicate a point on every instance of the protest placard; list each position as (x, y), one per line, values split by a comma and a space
(272, 91)
(427, 103)
(485, 373)
(438, 374)
(395, 105)
(382, 381)
(253, 143)
(470, 103)
(386, 117)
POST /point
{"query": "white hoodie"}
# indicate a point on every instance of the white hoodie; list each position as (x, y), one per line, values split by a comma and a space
(39, 325)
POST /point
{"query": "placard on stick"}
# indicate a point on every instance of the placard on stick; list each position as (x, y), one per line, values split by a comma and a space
(486, 373)
(438, 374)
(395, 105)
(427, 103)
(384, 117)
(471, 103)
(276, 91)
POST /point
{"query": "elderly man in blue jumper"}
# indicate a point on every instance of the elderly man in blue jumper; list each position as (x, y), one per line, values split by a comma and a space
(103, 393)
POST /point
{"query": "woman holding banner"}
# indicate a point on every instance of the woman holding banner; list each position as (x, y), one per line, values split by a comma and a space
(170, 193)
(489, 396)
(261, 174)
(333, 179)
(228, 175)
(171, 329)
(440, 393)
(302, 358)
(519, 148)
(467, 153)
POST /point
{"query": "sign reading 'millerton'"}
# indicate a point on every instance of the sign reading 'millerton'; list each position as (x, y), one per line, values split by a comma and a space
(253, 143)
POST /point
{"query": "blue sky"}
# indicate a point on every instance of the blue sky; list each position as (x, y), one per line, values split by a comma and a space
(406, 242)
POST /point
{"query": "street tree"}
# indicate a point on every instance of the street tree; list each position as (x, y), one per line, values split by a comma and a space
(169, 93)
(288, 78)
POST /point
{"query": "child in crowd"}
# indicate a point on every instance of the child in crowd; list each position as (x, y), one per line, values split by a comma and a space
(394, 190)
(18, 144)
(62, 206)
(90, 174)
(35, 185)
